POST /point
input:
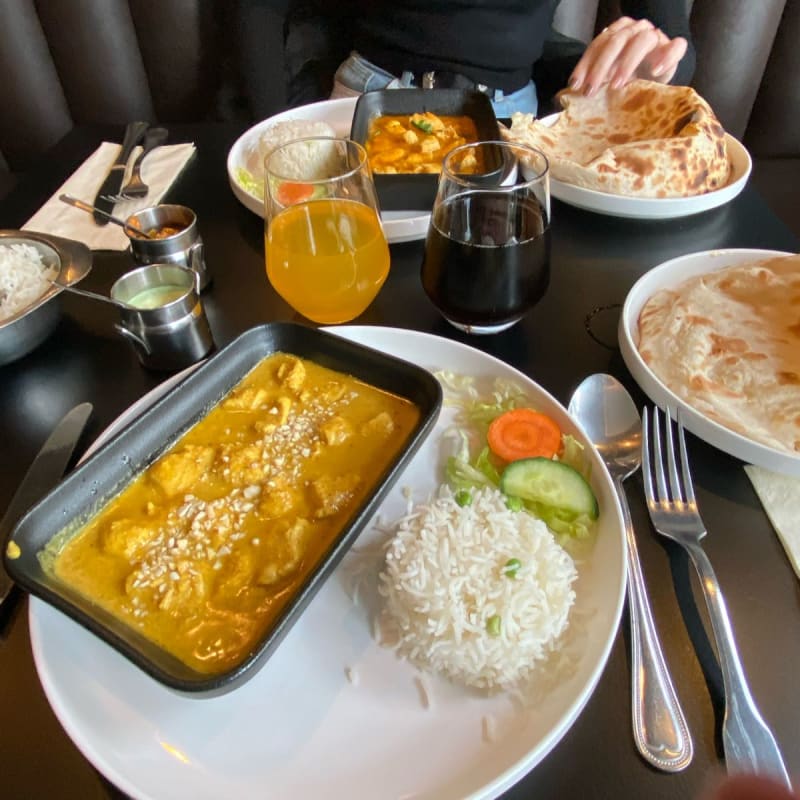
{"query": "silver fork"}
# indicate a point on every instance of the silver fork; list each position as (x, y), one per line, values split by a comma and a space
(135, 186)
(747, 741)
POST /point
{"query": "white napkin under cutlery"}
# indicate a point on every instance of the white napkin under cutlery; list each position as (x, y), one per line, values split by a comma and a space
(780, 496)
(55, 217)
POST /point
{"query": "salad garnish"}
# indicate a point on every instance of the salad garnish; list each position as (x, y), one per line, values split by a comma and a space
(504, 442)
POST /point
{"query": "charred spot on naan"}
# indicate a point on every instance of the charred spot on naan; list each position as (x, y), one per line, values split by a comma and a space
(700, 382)
(681, 123)
(617, 138)
(726, 344)
(639, 99)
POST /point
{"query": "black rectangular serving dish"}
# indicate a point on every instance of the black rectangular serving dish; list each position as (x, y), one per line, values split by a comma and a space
(408, 191)
(118, 462)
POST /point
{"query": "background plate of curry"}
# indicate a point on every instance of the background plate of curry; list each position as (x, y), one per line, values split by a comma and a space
(617, 205)
(399, 226)
(408, 132)
(333, 714)
(723, 369)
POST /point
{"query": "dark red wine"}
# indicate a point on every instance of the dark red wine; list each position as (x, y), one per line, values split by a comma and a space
(487, 257)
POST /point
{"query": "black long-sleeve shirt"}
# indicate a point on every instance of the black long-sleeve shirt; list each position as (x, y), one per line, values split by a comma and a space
(499, 43)
(494, 42)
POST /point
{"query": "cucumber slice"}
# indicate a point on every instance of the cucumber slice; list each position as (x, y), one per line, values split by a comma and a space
(552, 483)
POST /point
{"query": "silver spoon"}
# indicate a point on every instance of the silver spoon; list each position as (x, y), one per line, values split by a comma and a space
(609, 416)
(91, 295)
(90, 209)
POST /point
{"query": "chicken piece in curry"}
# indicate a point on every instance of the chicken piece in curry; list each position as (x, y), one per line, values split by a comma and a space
(417, 143)
(203, 549)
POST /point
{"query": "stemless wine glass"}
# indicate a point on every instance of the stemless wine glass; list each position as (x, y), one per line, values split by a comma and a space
(487, 254)
(326, 253)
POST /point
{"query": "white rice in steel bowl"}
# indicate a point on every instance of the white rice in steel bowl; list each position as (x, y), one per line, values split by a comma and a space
(24, 278)
(479, 594)
(251, 176)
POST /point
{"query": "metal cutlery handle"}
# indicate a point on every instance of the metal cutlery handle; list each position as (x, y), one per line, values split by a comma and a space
(154, 137)
(76, 203)
(133, 134)
(659, 726)
(43, 473)
(748, 743)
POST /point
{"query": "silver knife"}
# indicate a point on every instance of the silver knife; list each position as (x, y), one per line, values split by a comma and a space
(42, 475)
(113, 182)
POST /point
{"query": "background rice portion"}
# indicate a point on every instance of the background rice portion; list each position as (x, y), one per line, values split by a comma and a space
(281, 133)
(23, 277)
(444, 579)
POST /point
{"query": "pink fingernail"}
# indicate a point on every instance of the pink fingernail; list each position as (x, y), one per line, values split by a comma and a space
(616, 83)
(575, 83)
(658, 70)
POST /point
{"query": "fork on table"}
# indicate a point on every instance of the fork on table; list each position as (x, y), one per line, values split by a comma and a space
(747, 741)
(135, 186)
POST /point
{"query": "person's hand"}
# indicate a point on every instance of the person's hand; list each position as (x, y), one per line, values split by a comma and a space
(627, 49)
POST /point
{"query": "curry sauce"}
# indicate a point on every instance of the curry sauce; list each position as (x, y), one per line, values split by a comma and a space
(206, 547)
(417, 143)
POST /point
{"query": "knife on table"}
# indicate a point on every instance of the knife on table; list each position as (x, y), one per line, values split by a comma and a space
(42, 475)
(113, 181)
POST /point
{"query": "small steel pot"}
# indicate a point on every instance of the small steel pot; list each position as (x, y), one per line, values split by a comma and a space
(163, 316)
(184, 247)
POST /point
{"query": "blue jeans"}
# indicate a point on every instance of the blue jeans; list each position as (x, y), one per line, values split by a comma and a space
(356, 75)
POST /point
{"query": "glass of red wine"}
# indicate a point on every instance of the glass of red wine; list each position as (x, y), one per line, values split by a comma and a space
(487, 253)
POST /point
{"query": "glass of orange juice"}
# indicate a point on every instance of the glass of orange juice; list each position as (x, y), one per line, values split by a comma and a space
(326, 252)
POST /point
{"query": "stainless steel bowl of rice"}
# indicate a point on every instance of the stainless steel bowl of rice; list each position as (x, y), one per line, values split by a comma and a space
(30, 306)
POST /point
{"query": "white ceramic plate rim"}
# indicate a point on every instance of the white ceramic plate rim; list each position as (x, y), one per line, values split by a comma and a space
(127, 725)
(399, 226)
(670, 274)
(653, 207)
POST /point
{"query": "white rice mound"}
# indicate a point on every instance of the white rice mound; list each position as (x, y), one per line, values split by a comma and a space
(23, 277)
(444, 579)
(281, 133)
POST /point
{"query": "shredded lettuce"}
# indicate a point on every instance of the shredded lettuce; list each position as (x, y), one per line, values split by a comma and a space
(574, 455)
(463, 474)
(474, 414)
(250, 184)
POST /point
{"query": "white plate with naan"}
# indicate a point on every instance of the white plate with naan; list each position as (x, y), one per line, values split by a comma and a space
(666, 276)
(399, 226)
(617, 205)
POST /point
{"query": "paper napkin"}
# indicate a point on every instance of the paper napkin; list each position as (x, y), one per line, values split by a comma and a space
(780, 496)
(159, 170)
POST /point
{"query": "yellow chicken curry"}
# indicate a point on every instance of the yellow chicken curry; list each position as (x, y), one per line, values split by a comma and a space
(207, 545)
(417, 142)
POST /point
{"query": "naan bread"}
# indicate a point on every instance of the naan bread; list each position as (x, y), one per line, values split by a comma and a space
(642, 140)
(728, 343)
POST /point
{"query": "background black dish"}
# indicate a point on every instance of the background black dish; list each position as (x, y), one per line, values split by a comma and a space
(118, 462)
(406, 191)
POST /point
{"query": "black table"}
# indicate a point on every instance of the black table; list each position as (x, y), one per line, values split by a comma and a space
(570, 334)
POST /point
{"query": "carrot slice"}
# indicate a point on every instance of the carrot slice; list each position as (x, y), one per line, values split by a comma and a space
(524, 433)
(290, 193)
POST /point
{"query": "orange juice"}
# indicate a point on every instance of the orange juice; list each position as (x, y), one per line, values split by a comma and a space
(327, 258)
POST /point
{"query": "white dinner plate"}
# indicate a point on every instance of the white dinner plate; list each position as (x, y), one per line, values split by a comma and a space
(300, 727)
(399, 226)
(617, 205)
(667, 275)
